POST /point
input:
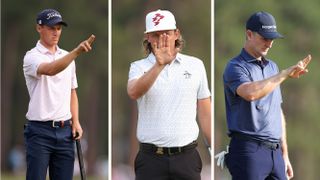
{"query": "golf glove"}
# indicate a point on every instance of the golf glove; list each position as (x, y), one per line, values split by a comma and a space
(221, 158)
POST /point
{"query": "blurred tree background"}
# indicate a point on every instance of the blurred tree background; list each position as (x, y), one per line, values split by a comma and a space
(18, 36)
(128, 25)
(297, 21)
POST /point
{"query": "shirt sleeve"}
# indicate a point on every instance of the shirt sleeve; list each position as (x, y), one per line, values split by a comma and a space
(31, 63)
(234, 76)
(203, 91)
(135, 71)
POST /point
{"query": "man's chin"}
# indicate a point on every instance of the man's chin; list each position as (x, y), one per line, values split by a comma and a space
(264, 53)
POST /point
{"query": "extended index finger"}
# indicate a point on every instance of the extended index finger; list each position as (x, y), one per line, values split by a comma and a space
(306, 60)
(91, 39)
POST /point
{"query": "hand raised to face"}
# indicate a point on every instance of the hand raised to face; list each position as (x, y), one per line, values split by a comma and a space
(164, 48)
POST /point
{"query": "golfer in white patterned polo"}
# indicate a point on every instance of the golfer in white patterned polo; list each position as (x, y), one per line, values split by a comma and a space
(171, 89)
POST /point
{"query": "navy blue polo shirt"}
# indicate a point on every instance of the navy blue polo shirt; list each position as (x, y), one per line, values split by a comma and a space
(260, 118)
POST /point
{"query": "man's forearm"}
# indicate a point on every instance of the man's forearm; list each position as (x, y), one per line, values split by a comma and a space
(255, 90)
(74, 106)
(284, 145)
(204, 118)
(138, 87)
(57, 66)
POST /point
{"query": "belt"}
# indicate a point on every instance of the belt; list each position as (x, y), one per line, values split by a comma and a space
(268, 144)
(169, 151)
(54, 124)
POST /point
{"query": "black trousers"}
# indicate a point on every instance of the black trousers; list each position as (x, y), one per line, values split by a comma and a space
(183, 166)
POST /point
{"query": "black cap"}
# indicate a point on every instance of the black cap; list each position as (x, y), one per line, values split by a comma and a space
(50, 17)
(264, 24)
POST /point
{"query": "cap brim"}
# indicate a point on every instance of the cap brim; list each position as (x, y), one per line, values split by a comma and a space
(160, 29)
(271, 35)
(55, 22)
(155, 30)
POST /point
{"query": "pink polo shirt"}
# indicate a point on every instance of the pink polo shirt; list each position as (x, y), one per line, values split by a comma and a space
(50, 96)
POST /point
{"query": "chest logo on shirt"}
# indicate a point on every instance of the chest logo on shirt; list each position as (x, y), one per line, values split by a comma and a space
(187, 75)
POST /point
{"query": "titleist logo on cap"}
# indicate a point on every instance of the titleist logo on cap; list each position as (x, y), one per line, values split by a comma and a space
(53, 14)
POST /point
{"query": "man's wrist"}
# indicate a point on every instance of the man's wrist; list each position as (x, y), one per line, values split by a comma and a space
(75, 121)
(284, 74)
(160, 65)
(76, 51)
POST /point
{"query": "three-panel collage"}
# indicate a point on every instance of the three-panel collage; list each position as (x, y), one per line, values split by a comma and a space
(159, 90)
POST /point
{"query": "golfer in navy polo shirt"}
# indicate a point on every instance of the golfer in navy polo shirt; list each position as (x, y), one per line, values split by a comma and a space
(258, 147)
(53, 108)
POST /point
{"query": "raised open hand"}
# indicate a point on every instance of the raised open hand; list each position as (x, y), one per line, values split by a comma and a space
(300, 68)
(164, 51)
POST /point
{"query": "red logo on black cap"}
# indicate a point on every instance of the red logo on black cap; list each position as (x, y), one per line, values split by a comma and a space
(157, 19)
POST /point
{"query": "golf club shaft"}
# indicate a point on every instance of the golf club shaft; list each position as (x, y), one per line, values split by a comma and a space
(80, 158)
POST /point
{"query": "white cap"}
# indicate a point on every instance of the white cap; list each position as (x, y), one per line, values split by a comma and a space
(160, 20)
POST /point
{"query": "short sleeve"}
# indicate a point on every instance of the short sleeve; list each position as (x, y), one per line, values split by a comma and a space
(234, 76)
(31, 63)
(135, 71)
(203, 91)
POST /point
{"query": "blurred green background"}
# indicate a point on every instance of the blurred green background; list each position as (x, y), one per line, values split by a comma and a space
(128, 25)
(298, 22)
(18, 35)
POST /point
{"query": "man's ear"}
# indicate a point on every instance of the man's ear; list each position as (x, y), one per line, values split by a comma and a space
(177, 33)
(146, 36)
(38, 28)
(249, 34)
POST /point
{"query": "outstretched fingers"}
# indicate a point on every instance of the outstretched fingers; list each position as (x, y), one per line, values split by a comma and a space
(161, 42)
(91, 39)
(86, 45)
(167, 43)
(306, 61)
(301, 67)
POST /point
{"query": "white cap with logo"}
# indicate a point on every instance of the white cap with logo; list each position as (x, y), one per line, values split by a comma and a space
(160, 20)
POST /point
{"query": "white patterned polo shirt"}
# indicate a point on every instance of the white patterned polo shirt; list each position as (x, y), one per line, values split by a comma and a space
(167, 111)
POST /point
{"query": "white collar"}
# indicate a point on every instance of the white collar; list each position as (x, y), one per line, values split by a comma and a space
(44, 50)
(152, 58)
